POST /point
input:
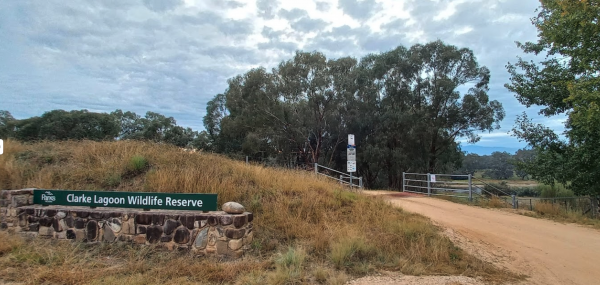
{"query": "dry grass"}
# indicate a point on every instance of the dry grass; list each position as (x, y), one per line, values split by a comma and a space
(296, 214)
(556, 212)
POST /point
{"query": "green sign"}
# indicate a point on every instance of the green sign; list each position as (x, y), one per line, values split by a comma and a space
(170, 201)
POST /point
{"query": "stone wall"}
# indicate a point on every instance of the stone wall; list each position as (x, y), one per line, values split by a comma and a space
(203, 233)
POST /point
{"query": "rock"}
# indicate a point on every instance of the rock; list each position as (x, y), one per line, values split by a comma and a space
(128, 227)
(61, 215)
(168, 238)
(213, 221)
(109, 234)
(239, 220)
(91, 230)
(235, 233)
(123, 237)
(115, 225)
(233, 208)
(34, 227)
(46, 221)
(187, 221)
(250, 217)
(182, 235)
(46, 231)
(171, 225)
(141, 239)
(59, 225)
(153, 233)
(158, 219)
(226, 220)
(212, 238)
(82, 214)
(143, 219)
(79, 223)
(79, 235)
(22, 220)
(61, 235)
(202, 239)
(50, 212)
(222, 248)
(33, 219)
(141, 230)
(71, 234)
(97, 215)
(30, 211)
(70, 221)
(235, 244)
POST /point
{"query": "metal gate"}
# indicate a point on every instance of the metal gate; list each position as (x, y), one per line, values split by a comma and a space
(453, 185)
(343, 178)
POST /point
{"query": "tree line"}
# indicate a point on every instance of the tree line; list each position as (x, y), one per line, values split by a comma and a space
(406, 107)
(82, 124)
(498, 165)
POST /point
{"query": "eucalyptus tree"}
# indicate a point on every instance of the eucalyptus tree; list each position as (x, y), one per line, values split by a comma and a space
(565, 82)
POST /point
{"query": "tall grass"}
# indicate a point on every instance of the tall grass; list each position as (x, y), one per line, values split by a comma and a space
(293, 209)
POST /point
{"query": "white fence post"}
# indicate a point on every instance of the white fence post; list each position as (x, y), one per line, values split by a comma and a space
(429, 184)
(316, 168)
(470, 189)
(403, 181)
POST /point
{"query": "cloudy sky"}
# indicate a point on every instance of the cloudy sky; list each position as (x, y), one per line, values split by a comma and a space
(172, 56)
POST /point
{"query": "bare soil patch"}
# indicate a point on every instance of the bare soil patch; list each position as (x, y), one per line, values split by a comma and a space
(547, 252)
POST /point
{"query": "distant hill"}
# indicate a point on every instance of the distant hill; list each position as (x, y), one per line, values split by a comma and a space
(487, 150)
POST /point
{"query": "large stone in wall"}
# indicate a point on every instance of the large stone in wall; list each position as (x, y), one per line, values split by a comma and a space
(235, 233)
(201, 239)
(226, 220)
(143, 219)
(79, 223)
(71, 234)
(182, 235)
(239, 220)
(109, 234)
(153, 233)
(171, 225)
(91, 230)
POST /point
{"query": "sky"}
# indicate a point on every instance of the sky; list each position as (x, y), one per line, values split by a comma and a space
(173, 56)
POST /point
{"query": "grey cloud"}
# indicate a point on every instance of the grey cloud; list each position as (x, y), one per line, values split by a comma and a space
(293, 14)
(307, 24)
(359, 9)
(269, 33)
(323, 6)
(162, 5)
(287, 47)
(227, 4)
(267, 8)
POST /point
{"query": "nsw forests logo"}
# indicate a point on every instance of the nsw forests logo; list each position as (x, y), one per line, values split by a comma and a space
(48, 197)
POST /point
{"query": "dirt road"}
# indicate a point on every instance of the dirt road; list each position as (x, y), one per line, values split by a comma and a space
(546, 251)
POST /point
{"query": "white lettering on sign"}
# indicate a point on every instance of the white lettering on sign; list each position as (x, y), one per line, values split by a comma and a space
(48, 197)
(183, 202)
(71, 198)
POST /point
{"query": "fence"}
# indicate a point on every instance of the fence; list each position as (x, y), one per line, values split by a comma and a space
(580, 205)
(453, 185)
(344, 178)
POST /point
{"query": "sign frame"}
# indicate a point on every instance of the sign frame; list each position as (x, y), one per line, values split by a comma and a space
(139, 200)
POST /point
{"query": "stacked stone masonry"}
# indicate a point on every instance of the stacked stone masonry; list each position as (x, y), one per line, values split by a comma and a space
(203, 233)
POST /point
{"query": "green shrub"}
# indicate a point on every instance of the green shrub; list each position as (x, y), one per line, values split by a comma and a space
(137, 164)
(556, 191)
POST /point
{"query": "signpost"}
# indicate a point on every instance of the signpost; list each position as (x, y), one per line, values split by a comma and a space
(351, 155)
(143, 200)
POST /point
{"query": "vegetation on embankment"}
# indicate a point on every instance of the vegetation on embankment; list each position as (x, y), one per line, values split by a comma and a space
(308, 230)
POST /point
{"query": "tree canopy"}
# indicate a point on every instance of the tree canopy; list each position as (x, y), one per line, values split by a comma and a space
(567, 82)
(403, 106)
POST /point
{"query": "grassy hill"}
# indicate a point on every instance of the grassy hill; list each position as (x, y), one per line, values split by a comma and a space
(307, 229)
